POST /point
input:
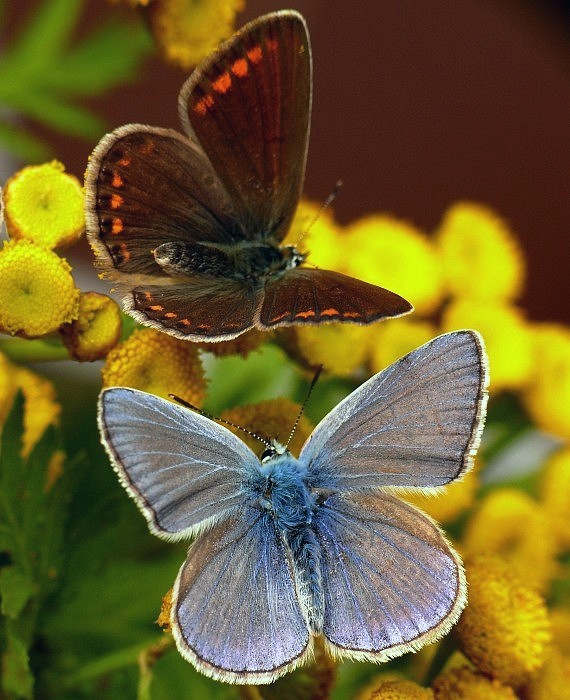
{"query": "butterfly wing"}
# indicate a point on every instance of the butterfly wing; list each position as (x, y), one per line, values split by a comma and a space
(249, 106)
(235, 614)
(303, 295)
(415, 424)
(391, 582)
(182, 469)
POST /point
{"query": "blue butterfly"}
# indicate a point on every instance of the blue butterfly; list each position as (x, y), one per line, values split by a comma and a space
(286, 549)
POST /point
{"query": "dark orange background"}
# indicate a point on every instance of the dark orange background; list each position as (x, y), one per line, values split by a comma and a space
(416, 105)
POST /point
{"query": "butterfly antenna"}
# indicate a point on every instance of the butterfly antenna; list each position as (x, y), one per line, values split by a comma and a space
(191, 406)
(324, 206)
(294, 428)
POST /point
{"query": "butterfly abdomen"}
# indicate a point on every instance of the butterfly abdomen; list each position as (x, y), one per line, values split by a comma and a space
(244, 261)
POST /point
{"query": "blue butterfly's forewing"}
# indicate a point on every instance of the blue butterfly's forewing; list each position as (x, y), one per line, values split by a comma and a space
(391, 582)
(415, 424)
(181, 468)
(235, 612)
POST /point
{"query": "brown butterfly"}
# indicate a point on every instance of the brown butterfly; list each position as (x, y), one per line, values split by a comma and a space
(189, 225)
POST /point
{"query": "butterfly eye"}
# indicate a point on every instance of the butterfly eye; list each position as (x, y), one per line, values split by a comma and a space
(267, 454)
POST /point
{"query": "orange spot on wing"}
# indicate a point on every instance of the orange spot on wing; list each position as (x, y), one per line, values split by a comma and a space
(117, 226)
(351, 314)
(223, 83)
(124, 161)
(305, 314)
(116, 201)
(254, 54)
(117, 180)
(156, 307)
(330, 312)
(275, 319)
(147, 296)
(170, 314)
(184, 322)
(125, 252)
(239, 68)
(202, 106)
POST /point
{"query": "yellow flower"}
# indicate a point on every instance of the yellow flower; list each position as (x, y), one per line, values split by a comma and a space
(44, 205)
(393, 254)
(506, 337)
(242, 345)
(504, 630)
(156, 363)
(514, 526)
(96, 330)
(547, 397)
(341, 349)
(317, 233)
(272, 419)
(397, 690)
(480, 256)
(397, 338)
(466, 684)
(555, 496)
(446, 506)
(552, 682)
(186, 32)
(41, 407)
(37, 292)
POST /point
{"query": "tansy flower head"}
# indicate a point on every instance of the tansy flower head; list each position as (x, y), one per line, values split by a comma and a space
(547, 397)
(395, 255)
(272, 419)
(447, 505)
(504, 630)
(555, 496)
(480, 257)
(186, 32)
(96, 329)
(462, 683)
(506, 337)
(397, 689)
(37, 292)
(552, 682)
(316, 232)
(41, 407)
(156, 363)
(393, 340)
(163, 619)
(514, 526)
(44, 205)
(340, 349)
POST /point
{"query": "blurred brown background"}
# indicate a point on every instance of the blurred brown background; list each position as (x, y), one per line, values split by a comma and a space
(416, 105)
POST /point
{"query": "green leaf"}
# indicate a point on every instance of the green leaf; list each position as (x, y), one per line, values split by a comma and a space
(17, 679)
(16, 588)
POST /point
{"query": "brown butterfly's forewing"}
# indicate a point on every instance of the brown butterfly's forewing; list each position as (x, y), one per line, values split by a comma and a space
(249, 105)
(317, 296)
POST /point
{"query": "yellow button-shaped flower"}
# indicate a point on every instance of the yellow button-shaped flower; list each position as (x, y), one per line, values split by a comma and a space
(480, 256)
(95, 331)
(397, 337)
(315, 232)
(504, 630)
(157, 363)
(37, 292)
(44, 204)
(186, 32)
(394, 254)
(462, 683)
